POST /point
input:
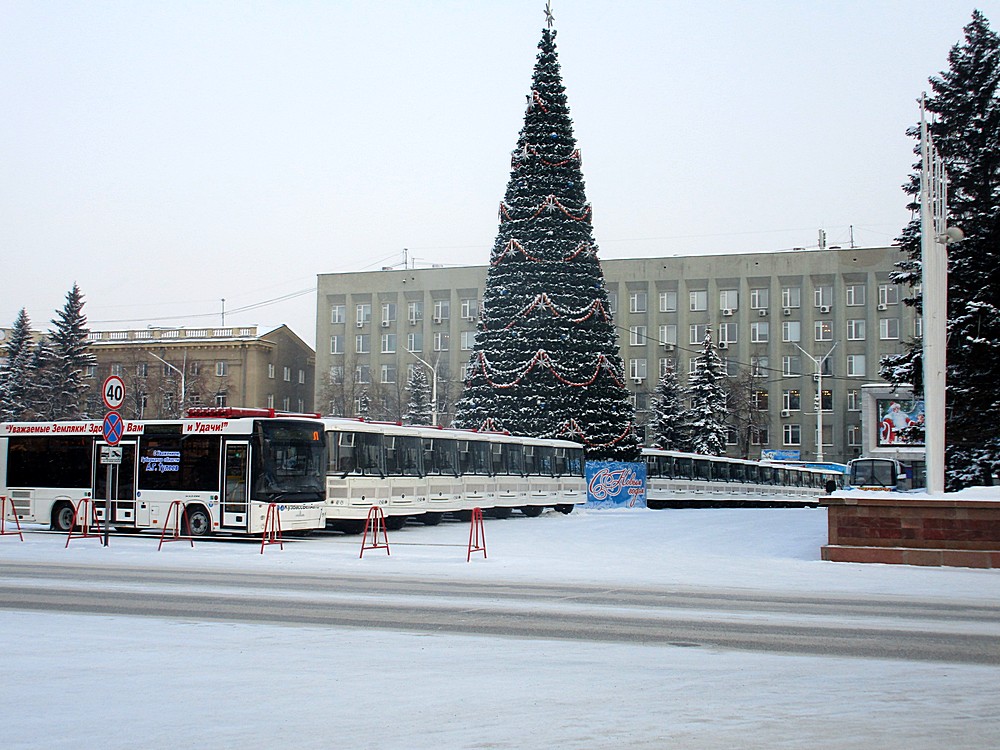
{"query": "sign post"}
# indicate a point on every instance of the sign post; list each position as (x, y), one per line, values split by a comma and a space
(113, 394)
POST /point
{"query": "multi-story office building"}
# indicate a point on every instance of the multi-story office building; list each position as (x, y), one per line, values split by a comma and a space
(796, 328)
(167, 370)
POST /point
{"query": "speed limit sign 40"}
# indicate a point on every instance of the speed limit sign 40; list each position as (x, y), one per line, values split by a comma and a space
(113, 393)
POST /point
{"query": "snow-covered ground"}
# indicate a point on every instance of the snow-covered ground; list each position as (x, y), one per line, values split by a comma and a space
(81, 681)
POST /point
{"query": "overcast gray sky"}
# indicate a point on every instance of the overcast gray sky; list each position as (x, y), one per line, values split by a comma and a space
(168, 155)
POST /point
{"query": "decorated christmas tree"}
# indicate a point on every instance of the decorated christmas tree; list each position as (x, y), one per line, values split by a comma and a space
(546, 360)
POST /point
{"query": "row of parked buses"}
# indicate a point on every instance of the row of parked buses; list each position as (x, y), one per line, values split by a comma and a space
(229, 466)
(685, 479)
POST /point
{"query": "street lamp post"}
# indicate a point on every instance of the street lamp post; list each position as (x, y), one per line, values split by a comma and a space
(434, 385)
(178, 371)
(818, 401)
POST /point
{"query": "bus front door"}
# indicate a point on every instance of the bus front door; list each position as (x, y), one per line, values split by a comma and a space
(123, 481)
(236, 489)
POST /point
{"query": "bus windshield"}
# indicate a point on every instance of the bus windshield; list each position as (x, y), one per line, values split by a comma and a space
(867, 472)
(292, 462)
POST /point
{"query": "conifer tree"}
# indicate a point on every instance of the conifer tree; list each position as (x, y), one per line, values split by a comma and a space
(16, 379)
(705, 418)
(70, 358)
(418, 408)
(546, 360)
(965, 128)
(666, 428)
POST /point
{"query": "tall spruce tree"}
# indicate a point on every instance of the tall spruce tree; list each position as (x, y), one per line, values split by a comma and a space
(418, 408)
(70, 358)
(16, 378)
(546, 360)
(705, 418)
(666, 428)
(966, 132)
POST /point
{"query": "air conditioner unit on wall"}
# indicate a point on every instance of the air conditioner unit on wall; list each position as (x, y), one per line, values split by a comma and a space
(727, 312)
(883, 307)
(762, 313)
(667, 346)
(385, 323)
(824, 308)
(361, 324)
(637, 381)
(788, 311)
(786, 413)
(723, 344)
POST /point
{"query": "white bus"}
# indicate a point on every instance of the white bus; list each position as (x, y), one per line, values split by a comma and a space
(227, 466)
(675, 479)
(426, 472)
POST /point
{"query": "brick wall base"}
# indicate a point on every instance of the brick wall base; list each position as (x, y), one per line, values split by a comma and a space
(903, 531)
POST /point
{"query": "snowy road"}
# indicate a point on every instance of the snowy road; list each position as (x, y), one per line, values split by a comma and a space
(873, 627)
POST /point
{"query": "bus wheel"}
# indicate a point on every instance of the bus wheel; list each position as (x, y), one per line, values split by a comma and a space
(565, 509)
(532, 511)
(199, 523)
(395, 523)
(62, 517)
(431, 518)
(500, 511)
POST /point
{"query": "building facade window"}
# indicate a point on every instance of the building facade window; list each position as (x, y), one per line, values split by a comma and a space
(286, 374)
(888, 294)
(470, 308)
(855, 365)
(855, 295)
(729, 299)
(362, 343)
(442, 310)
(824, 330)
(415, 312)
(667, 364)
(697, 333)
(668, 301)
(856, 329)
(823, 296)
(728, 333)
(888, 329)
(415, 342)
(791, 296)
(441, 341)
(759, 298)
(388, 343)
(468, 340)
(854, 400)
(637, 336)
(338, 315)
(791, 366)
(637, 369)
(637, 302)
(791, 400)
(668, 334)
(221, 369)
(388, 373)
(698, 300)
(363, 313)
(759, 366)
(363, 374)
(791, 434)
(791, 331)
(270, 366)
